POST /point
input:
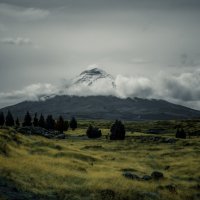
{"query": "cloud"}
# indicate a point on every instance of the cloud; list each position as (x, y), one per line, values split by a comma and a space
(32, 92)
(133, 86)
(22, 13)
(16, 41)
(183, 89)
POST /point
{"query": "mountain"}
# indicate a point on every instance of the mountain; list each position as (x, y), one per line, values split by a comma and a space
(104, 107)
(86, 97)
(92, 77)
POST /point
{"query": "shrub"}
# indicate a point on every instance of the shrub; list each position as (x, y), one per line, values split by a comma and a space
(180, 133)
(73, 123)
(93, 132)
(117, 131)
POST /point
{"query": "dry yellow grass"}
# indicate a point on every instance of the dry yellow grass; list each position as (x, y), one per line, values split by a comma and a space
(75, 168)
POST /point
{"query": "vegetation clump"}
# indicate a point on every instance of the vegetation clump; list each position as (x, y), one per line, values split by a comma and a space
(73, 123)
(2, 119)
(62, 125)
(41, 122)
(17, 123)
(35, 121)
(27, 120)
(50, 123)
(180, 133)
(117, 131)
(9, 119)
(93, 132)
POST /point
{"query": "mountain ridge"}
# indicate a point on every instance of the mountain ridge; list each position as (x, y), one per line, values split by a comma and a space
(104, 107)
(70, 101)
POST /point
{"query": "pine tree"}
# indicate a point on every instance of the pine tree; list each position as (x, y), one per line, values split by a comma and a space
(60, 124)
(27, 120)
(66, 125)
(50, 123)
(17, 122)
(35, 120)
(73, 123)
(117, 131)
(2, 119)
(41, 122)
(9, 119)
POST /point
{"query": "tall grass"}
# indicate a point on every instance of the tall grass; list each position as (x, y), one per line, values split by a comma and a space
(92, 169)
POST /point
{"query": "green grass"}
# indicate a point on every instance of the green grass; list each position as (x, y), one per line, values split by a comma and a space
(39, 168)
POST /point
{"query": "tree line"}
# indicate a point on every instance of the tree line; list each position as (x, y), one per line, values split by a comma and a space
(49, 123)
(117, 130)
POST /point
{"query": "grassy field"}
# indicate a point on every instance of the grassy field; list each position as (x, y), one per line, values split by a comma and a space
(33, 167)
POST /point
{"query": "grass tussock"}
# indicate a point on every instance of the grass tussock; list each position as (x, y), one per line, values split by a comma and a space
(33, 167)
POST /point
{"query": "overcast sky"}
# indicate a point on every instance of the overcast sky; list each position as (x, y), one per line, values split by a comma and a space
(43, 42)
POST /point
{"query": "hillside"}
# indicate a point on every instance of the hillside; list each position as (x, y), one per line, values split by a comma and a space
(104, 107)
(33, 167)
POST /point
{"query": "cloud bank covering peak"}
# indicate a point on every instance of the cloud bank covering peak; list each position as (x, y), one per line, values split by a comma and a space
(173, 88)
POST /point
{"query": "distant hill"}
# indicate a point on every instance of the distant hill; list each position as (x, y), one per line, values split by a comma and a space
(104, 107)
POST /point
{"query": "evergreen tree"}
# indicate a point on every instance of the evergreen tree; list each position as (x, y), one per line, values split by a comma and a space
(35, 120)
(66, 125)
(2, 119)
(73, 123)
(60, 124)
(117, 131)
(93, 132)
(9, 119)
(50, 123)
(41, 122)
(180, 133)
(17, 122)
(27, 120)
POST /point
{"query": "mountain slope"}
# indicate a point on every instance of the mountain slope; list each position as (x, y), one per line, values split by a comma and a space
(104, 107)
(92, 77)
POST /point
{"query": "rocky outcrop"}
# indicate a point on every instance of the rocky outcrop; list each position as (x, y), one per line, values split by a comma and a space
(154, 175)
(158, 139)
(28, 130)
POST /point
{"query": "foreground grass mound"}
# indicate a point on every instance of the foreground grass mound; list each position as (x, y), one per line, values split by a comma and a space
(34, 167)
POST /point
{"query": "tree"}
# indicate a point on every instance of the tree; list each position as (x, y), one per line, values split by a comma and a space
(50, 122)
(93, 132)
(2, 119)
(66, 125)
(41, 122)
(17, 122)
(180, 133)
(27, 120)
(60, 124)
(35, 120)
(9, 119)
(73, 123)
(117, 131)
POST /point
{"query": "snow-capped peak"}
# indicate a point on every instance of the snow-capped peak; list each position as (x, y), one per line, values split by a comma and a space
(92, 76)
